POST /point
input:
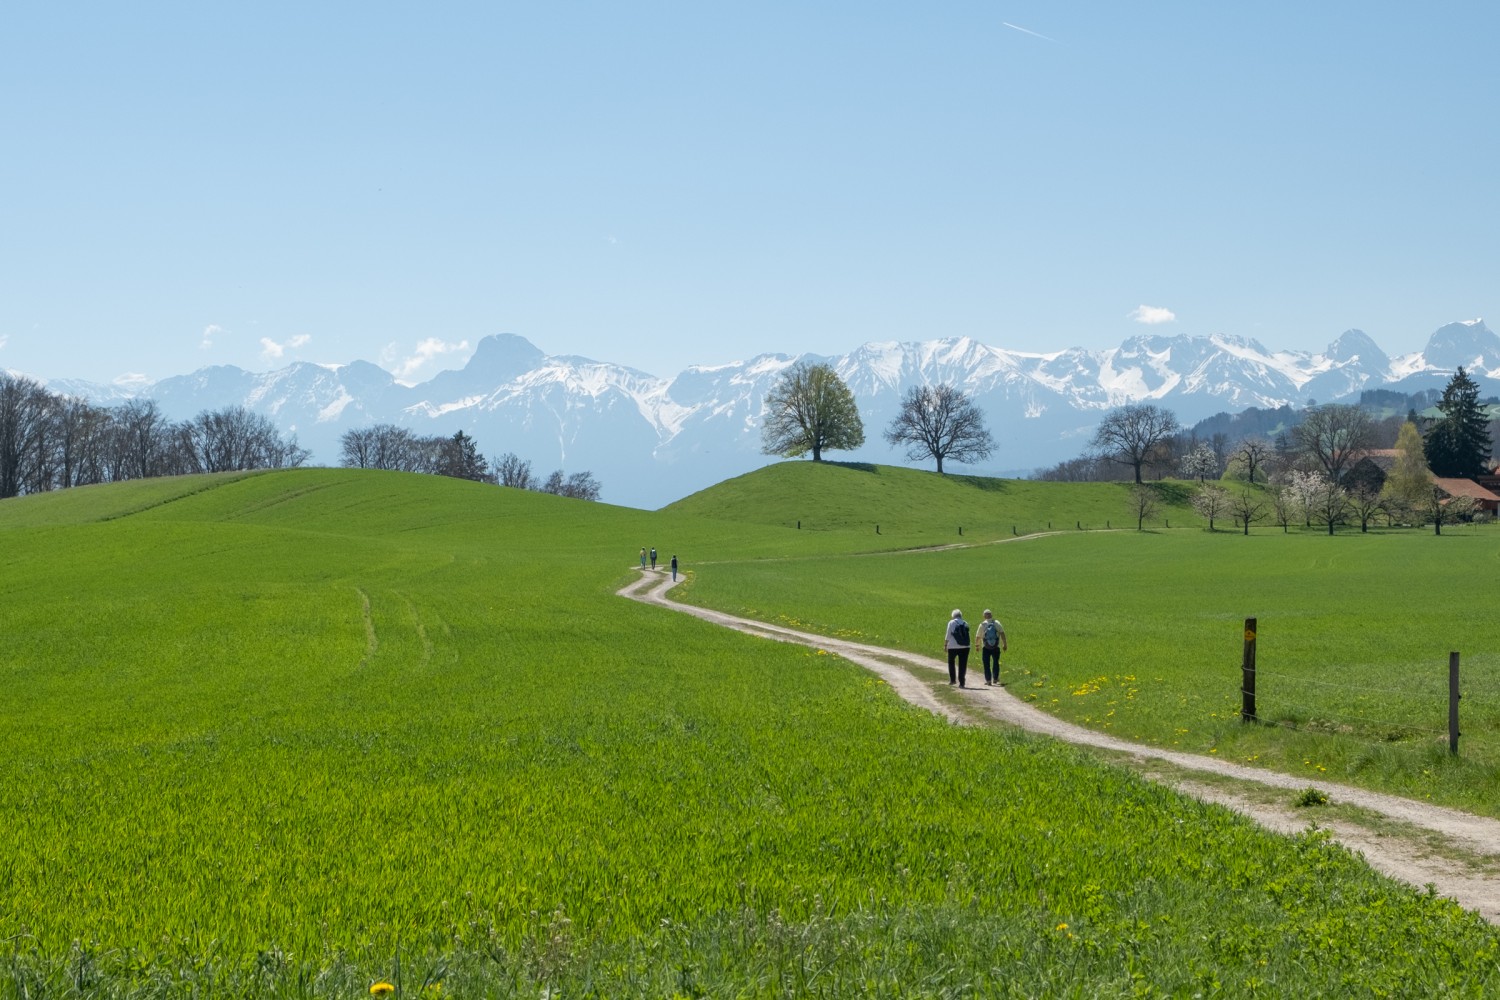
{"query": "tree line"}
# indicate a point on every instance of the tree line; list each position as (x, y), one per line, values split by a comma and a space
(50, 441)
(398, 449)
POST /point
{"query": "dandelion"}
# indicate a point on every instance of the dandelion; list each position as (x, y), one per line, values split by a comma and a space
(1062, 927)
(381, 988)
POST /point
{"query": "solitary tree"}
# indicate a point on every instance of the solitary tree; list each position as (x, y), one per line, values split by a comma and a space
(1130, 434)
(940, 422)
(1334, 436)
(810, 409)
(1458, 444)
(1143, 503)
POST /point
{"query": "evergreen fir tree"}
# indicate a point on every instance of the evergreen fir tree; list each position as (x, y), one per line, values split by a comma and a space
(1459, 442)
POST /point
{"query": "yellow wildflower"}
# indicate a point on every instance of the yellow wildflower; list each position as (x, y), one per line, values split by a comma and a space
(381, 988)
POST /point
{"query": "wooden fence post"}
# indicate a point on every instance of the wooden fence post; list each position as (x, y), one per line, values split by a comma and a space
(1453, 704)
(1247, 674)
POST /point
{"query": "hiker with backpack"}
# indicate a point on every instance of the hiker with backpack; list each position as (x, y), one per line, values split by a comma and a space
(956, 640)
(991, 644)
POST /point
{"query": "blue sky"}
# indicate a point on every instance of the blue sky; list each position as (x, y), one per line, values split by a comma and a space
(666, 184)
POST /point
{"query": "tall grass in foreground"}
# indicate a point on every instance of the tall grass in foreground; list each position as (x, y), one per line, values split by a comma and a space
(297, 733)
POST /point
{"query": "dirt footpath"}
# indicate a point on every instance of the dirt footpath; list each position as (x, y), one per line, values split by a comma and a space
(1456, 853)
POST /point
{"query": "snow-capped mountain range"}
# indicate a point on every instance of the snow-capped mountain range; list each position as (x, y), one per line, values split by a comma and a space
(651, 440)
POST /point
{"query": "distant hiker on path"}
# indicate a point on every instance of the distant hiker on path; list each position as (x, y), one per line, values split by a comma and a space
(991, 645)
(653, 557)
(674, 567)
(956, 639)
(643, 557)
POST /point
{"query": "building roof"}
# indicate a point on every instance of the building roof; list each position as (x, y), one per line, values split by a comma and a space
(1465, 488)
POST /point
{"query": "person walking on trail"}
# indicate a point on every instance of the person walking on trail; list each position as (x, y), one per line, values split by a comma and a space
(674, 568)
(956, 640)
(991, 645)
(653, 557)
(643, 557)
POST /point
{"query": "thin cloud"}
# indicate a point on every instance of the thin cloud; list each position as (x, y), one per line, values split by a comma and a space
(1028, 31)
(210, 333)
(3, 341)
(270, 350)
(426, 352)
(1152, 315)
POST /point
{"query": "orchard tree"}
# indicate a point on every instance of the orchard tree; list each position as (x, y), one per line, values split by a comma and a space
(1131, 434)
(810, 409)
(1458, 443)
(1143, 504)
(1248, 507)
(1211, 501)
(1200, 463)
(940, 422)
(1251, 454)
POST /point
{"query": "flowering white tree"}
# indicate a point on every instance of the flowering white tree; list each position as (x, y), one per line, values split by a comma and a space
(1211, 501)
(1200, 463)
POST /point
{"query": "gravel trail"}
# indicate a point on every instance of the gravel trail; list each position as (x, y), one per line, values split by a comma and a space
(1456, 853)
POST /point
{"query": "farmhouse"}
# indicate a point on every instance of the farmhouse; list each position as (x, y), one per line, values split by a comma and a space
(1375, 465)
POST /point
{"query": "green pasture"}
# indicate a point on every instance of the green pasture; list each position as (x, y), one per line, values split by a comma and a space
(294, 733)
(1142, 634)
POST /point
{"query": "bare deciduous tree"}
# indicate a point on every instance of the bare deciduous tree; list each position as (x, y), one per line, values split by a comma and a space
(1130, 434)
(1143, 504)
(940, 422)
(1334, 436)
(511, 470)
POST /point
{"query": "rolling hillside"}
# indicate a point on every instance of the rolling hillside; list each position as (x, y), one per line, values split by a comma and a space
(308, 732)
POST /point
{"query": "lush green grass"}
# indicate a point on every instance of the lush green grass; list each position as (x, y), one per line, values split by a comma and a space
(295, 732)
(1141, 634)
(912, 507)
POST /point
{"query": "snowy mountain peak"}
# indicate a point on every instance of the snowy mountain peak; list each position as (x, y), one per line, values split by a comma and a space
(1469, 343)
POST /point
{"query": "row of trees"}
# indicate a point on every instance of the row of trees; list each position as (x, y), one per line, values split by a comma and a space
(49, 441)
(1148, 439)
(811, 410)
(398, 449)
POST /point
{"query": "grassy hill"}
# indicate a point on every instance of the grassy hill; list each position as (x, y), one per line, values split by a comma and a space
(911, 505)
(298, 732)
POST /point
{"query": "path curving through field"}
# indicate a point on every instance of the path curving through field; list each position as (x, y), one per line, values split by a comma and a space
(1456, 853)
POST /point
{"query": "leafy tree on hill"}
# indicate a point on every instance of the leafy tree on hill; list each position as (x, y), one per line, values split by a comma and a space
(1458, 443)
(810, 409)
(1132, 433)
(940, 422)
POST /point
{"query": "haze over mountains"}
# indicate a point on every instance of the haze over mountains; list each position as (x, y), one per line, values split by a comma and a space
(651, 440)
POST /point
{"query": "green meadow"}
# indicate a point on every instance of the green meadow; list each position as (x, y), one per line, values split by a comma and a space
(301, 733)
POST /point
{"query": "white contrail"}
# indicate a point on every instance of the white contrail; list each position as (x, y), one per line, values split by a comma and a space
(1028, 31)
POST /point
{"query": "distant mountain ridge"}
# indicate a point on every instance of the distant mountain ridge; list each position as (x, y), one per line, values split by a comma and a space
(651, 440)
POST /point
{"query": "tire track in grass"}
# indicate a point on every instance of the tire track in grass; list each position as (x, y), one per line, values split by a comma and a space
(1455, 853)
